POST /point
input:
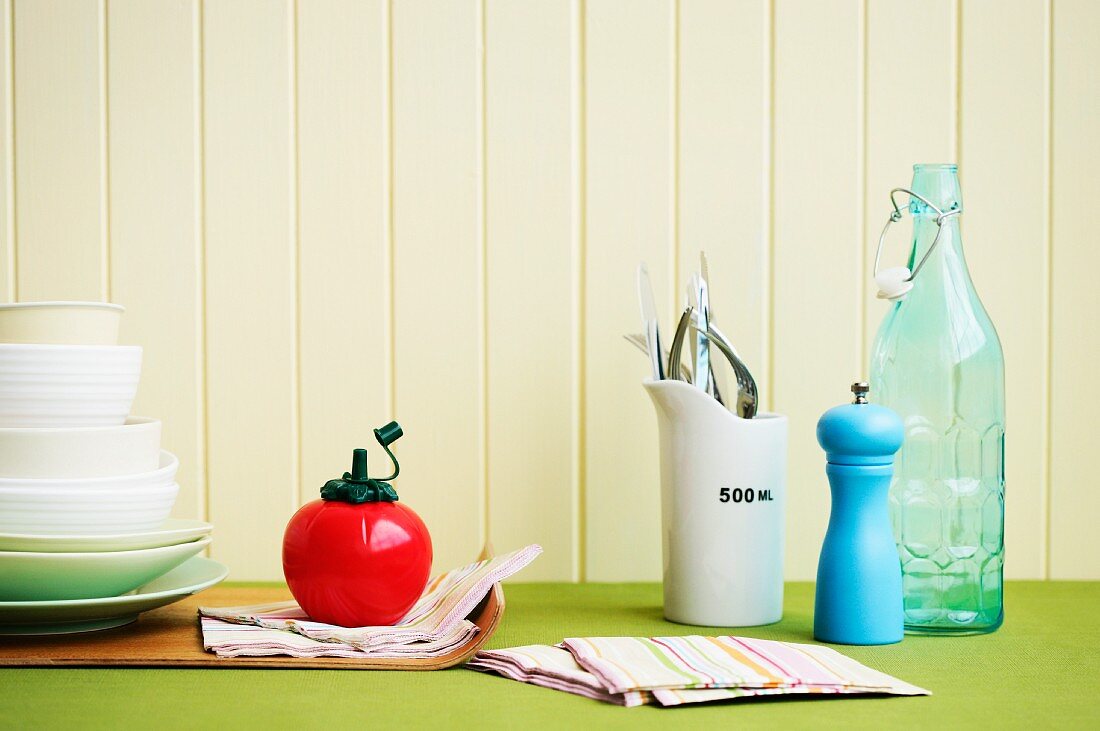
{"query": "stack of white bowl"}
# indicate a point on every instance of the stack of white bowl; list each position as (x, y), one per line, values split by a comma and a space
(85, 489)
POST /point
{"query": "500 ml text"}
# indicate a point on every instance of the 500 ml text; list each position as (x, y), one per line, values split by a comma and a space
(737, 495)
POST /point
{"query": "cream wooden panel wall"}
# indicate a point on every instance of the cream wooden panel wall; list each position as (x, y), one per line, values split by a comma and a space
(7, 145)
(1073, 340)
(531, 168)
(323, 214)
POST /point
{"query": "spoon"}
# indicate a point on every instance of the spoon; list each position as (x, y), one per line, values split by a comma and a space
(674, 362)
(747, 396)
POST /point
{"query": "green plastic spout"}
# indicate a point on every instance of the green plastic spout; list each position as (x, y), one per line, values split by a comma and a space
(359, 465)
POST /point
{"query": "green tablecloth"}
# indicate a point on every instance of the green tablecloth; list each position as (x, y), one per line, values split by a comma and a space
(1041, 669)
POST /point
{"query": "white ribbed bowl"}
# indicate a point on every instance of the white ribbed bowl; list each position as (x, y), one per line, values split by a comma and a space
(80, 511)
(67, 385)
(90, 506)
(78, 452)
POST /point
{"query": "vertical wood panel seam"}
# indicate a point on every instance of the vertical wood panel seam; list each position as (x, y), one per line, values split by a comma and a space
(9, 169)
(202, 422)
(956, 91)
(1048, 320)
(104, 158)
(387, 202)
(387, 214)
(861, 188)
(295, 267)
(579, 94)
(769, 203)
(674, 154)
(483, 267)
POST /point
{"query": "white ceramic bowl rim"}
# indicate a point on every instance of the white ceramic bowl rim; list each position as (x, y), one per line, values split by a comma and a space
(169, 463)
(133, 423)
(168, 529)
(62, 303)
(89, 349)
(201, 543)
(39, 496)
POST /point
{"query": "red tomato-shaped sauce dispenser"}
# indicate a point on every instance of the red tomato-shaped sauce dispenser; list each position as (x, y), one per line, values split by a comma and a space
(357, 557)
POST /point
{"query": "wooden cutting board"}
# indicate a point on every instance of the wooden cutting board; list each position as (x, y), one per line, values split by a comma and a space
(170, 637)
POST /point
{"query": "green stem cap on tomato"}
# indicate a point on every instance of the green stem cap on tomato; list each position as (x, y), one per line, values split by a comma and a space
(357, 487)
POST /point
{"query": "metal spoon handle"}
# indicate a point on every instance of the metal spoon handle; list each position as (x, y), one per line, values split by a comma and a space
(678, 343)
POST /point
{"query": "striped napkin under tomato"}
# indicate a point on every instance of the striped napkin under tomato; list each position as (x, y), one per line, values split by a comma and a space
(435, 625)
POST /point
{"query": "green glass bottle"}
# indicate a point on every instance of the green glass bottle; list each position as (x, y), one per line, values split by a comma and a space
(937, 362)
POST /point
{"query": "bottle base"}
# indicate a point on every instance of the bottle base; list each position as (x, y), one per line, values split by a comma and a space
(956, 631)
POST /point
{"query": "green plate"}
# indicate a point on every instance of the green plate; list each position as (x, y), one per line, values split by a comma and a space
(85, 615)
(27, 576)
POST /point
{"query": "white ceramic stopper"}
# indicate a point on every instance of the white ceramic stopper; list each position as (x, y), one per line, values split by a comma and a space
(893, 283)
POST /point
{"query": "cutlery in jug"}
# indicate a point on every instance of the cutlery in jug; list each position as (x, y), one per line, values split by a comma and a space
(650, 325)
(639, 341)
(746, 385)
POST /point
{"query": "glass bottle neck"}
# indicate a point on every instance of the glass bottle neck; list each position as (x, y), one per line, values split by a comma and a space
(924, 234)
(939, 184)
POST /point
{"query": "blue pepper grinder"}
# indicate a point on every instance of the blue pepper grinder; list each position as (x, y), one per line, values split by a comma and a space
(859, 600)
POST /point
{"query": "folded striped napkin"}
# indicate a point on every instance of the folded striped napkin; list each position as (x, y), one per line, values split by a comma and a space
(672, 671)
(435, 625)
(551, 667)
(655, 663)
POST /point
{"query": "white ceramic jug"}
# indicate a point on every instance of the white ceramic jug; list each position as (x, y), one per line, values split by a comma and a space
(723, 498)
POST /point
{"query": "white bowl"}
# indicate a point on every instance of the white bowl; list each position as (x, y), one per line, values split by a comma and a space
(164, 474)
(65, 323)
(52, 576)
(89, 451)
(67, 385)
(86, 511)
(89, 506)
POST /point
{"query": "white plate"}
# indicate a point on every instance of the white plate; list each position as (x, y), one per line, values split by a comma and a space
(67, 385)
(85, 615)
(89, 451)
(27, 576)
(173, 532)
